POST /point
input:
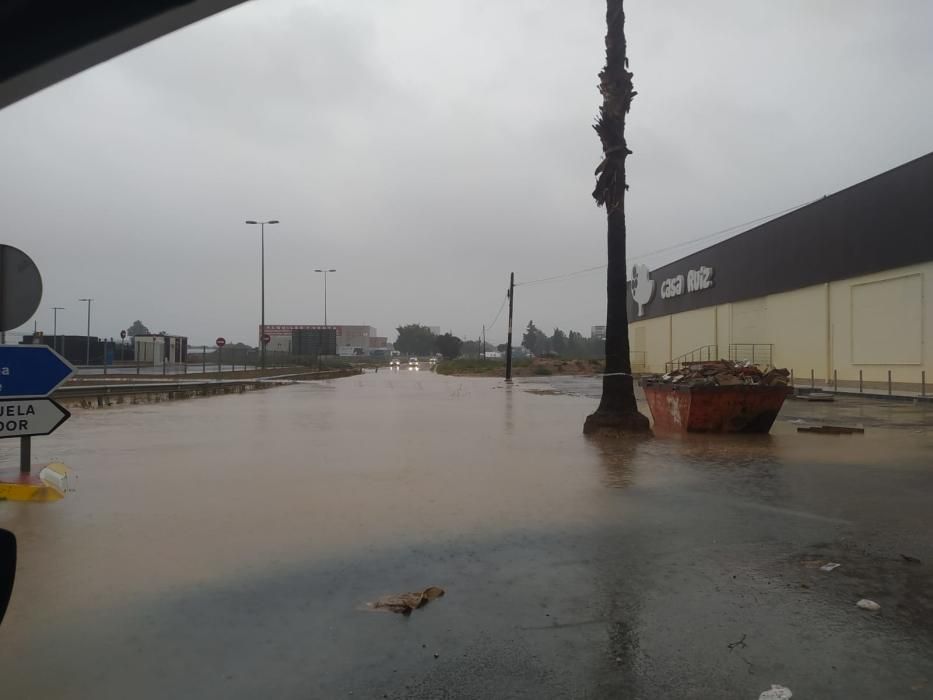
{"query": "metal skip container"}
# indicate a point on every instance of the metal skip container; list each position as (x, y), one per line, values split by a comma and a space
(716, 397)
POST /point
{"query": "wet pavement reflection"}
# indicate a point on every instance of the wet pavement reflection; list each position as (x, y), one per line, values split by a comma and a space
(224, 547)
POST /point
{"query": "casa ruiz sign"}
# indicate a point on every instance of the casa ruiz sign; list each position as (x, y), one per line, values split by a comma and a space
(643, 286)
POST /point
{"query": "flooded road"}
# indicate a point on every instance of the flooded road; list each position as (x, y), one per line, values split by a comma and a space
(225, 547)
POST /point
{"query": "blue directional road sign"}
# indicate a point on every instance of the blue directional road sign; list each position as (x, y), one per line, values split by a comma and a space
(31, 370)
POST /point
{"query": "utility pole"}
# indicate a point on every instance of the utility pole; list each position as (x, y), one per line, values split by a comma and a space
(325, 271)
(87, 347)
(262, 283)
(508, 343)
(55, 310)
(484, 342)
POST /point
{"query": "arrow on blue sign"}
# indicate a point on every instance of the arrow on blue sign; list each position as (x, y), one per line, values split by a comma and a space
(31, 370)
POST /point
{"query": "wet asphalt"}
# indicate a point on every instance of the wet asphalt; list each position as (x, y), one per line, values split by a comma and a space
(226, 547)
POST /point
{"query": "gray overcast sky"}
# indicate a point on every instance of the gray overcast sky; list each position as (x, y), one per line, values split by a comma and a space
(426, 148)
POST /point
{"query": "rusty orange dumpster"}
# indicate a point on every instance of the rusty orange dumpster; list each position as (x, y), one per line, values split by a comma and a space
(739, 408)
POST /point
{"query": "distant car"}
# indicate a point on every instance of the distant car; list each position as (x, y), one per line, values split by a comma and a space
(395, 362)
(412, 360)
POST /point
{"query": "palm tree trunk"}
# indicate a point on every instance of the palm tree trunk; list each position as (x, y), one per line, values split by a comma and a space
(617, 410)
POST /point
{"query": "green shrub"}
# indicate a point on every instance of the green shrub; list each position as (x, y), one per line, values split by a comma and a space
(542, 371)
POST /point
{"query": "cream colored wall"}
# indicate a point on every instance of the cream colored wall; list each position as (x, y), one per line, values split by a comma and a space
(723, 328)
(655, 333)
(750, 322)
(693, 329)
(871, 323)
(798, 323)
(901, 338)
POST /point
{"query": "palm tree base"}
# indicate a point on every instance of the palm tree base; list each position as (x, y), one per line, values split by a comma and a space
(616, 423)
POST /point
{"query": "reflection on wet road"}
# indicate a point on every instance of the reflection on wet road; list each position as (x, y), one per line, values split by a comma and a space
(223, 547)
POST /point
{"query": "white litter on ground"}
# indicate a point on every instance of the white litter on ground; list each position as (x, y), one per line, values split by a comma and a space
(777, 692)
(866, 604)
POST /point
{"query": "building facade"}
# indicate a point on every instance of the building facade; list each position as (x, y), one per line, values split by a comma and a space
(152, 349)
(840, 287)
(351, 340)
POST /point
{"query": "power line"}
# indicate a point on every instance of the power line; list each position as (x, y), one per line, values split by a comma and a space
(558, 277)
(699, 239)
(722, 231)
(498, 313)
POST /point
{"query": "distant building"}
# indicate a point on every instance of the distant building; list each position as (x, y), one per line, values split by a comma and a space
(838, 290)
(151, 349)
(74, 348)
(351, 340)
(598, 332)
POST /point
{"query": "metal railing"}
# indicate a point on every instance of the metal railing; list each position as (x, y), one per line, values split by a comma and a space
(760, 354)
(704, 353)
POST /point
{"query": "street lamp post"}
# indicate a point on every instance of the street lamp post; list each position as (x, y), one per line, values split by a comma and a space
(325, 292)
(55, 310)
(87, 354)
(262, 284)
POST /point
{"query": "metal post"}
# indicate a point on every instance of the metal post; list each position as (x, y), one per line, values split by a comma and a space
(262, 321)
(860, 385)
(203, 359)
(835, 382)
(55, 310)
(25, 454)
(220, 352)
(508, 342)
(87, 355)
(889, 382)
(923, 382)
(812, 380)
(792, 376)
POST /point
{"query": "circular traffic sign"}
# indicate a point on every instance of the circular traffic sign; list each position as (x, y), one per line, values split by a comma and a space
(221, 341)
(265, 338)
(122, 334)
(20, 287)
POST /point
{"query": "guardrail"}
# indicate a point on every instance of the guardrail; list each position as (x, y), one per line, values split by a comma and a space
(190, 387)
(215, 386)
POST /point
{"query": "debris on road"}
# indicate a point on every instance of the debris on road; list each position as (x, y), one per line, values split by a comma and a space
(910, 560)
(738, 643)
(819, 396)
(724, 373)
(404, 603)
(866, 604)
(777, 692)
(830, 566)
(830, 430)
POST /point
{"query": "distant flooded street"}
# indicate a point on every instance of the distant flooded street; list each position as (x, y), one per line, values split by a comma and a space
(226, 547)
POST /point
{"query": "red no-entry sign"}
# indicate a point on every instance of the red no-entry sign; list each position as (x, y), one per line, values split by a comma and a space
(221, 341)
(265, 338)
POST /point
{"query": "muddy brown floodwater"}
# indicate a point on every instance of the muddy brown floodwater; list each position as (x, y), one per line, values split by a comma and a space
(226, 547)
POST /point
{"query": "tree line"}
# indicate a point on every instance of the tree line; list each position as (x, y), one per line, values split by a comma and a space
(417, 340)
(570, 345)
